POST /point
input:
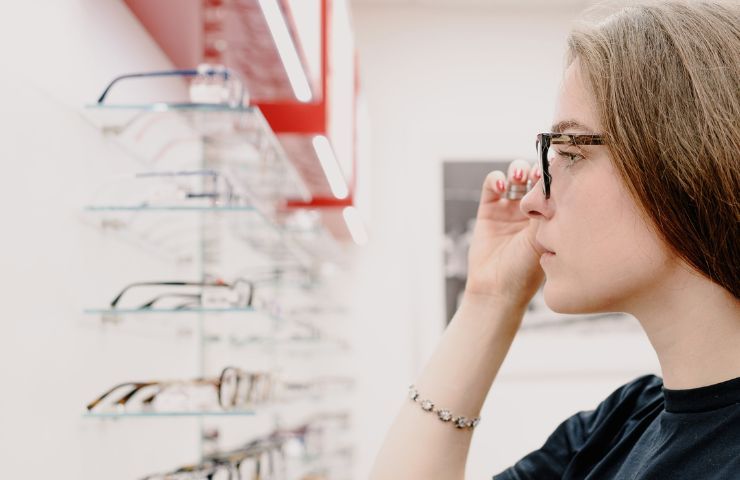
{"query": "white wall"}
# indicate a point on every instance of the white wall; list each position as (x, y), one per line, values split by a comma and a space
(449, 83)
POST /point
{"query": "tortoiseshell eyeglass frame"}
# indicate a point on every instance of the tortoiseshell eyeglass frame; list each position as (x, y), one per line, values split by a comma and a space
(544, 140)
(248, 388)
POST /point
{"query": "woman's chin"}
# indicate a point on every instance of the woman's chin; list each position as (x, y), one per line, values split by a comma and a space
(568, 301)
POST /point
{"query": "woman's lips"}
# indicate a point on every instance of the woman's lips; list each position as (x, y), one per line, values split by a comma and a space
(546, 256)
(542, 248)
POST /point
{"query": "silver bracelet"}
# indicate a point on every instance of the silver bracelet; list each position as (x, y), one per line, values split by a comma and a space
(443, 414)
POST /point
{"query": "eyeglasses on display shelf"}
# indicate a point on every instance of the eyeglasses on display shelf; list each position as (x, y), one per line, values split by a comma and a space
(210, 84)
(206, 179)
(216, 122)
(123, 205)
(170, 190)
(235, 390)
(215, 294)
(285, 454)
(217, 104)
(219, 192)
(210, 296)
(224, 304)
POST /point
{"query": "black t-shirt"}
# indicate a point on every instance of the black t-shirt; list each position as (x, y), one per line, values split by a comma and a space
(644, 431)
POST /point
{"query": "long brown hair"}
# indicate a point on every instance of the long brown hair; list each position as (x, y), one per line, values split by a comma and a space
(666, 78)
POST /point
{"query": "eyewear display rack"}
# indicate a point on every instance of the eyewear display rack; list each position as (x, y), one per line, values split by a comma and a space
(200, 201)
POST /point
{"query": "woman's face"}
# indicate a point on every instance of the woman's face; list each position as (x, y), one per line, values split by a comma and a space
(606, 259)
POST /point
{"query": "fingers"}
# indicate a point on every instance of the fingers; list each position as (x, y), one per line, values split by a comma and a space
(519, 171)
(494, 187)
(534, 173)
(519, 174)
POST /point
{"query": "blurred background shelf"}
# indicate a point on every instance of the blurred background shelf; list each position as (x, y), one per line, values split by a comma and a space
(123, 415)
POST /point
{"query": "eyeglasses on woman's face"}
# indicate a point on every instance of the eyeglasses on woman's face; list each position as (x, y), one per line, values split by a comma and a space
(569, 141)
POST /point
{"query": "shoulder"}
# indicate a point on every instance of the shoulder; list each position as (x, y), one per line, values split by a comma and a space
(645, 389)
(644, 386)
(643, 394)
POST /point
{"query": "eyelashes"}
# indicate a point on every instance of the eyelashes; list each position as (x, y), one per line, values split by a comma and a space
(569, 158)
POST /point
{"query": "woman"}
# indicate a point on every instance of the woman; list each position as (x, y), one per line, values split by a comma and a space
(638, 212)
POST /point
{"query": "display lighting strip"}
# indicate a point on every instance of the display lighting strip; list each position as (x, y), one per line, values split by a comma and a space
(286, 50)
(330, 166)
(355, 225)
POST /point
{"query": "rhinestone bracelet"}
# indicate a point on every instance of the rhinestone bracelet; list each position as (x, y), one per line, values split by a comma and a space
(442, 414)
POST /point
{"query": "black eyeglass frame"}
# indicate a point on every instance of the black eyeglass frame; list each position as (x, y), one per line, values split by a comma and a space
(543, 142)
(195, 299)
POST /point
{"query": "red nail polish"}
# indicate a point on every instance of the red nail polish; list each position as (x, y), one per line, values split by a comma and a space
(518, 174)
(537, 173)
(500, 185)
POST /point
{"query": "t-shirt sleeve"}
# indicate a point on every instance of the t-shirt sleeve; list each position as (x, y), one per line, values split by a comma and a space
(552, 459)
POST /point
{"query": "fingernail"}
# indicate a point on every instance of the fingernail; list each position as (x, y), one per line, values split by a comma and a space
(518, 174)
(500, 185)
(537, 173)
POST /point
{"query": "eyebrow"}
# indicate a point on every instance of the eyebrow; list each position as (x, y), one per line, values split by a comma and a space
(564, 125)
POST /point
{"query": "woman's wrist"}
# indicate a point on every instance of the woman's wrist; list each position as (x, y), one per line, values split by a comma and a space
(501, 314)
(492, 301)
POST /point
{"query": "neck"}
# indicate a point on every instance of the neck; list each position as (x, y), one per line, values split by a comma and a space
(694, 327)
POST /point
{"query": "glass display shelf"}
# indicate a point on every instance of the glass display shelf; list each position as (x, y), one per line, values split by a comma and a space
(119, 316)
(153, 311)
(296, 403)
(265, 341)
(239, 136)
(194, 414)
(271, 233)
(169, 208)
(173, 107)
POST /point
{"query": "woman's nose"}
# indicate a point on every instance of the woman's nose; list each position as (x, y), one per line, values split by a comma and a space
(534, 204)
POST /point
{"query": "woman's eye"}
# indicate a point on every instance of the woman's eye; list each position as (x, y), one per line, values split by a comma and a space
(570, 157)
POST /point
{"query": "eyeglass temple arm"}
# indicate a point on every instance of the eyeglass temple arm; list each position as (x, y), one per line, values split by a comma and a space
(162, 386)
(179, 173)
(139, 385)
(199, 297)
(165, 73)
(142, 284)
(167, 284)
(150, 303)
(124, 400)
(211, 72)
(212, 173)
(97, 401)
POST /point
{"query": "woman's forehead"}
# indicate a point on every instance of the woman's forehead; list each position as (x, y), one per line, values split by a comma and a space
(575, 109)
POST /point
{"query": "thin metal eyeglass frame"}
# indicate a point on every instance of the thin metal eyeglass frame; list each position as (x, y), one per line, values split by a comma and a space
(231, 197)
(225, 73)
